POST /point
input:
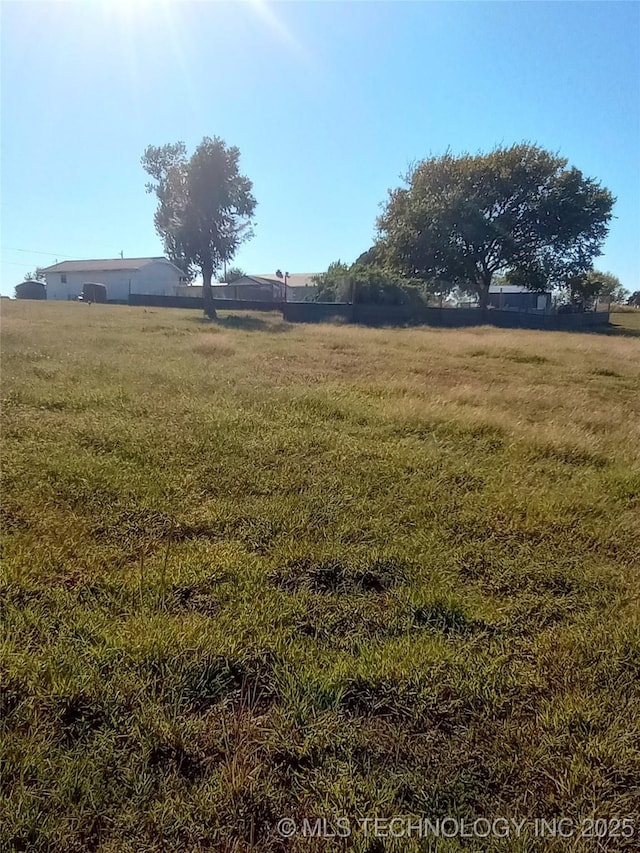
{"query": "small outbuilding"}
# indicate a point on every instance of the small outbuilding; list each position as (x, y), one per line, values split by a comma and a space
(516, 298)
(94, 292)
(31, 289)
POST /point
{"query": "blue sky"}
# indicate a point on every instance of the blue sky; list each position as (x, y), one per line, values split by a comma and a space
(329, 103)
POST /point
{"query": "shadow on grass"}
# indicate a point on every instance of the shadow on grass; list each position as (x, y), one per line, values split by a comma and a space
(250, 323)
(245, 322)
(618, 331)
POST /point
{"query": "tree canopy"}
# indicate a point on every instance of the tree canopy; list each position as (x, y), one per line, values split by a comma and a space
(519, 211)
(610, 286)
(204, 208)
(365, 283)
(233, 274)
(584, 289)
(333, 285)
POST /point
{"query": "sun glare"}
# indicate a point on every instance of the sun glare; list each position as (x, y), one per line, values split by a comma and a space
(266, 13)
(139, 10)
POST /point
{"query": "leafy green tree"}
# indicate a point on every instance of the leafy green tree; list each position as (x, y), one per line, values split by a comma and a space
(366, 283)
(584, 289)
(610, 286)
(518, 211)
(204, 208)
(634, 299)
(233, 274)
(373, 284)
(332, 285)
(368, 258)
(38, 275)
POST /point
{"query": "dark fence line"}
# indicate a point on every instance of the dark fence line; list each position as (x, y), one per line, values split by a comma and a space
(393, 315)
(387, 315)
(246, 305)
(150, 300)
(316, 312)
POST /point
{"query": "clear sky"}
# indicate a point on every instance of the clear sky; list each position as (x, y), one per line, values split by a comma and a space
(329, 102)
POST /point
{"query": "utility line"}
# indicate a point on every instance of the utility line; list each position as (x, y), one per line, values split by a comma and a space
(36, 252)
(14, 263)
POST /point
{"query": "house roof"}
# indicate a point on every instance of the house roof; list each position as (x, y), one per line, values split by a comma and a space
(258, 279)
(296, 279)
(303, 279)
(103, 265)
(247, 280)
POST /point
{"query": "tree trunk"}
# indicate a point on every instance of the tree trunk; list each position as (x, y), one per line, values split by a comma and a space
(207, 293)
(483, 294)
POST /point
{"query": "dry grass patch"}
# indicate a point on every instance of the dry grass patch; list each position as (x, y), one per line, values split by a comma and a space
(253, 570)
(212, 346)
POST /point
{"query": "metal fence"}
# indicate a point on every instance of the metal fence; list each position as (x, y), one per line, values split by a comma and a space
(391, 315)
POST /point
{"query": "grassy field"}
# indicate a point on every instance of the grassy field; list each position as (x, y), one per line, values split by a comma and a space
(626, 321)
(255, 571)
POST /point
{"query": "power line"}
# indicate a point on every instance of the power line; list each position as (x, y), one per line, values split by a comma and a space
(36, 252)
(14, 264)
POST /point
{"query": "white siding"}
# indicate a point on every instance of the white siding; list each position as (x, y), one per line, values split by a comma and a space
(116, 282)
(158, 277)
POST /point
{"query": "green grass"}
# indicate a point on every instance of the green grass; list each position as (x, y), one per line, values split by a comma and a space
(628, 320)
(254, 570)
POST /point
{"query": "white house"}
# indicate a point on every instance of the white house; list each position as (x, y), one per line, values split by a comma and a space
(121, 276)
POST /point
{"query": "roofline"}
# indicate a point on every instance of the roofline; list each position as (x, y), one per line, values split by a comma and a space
(46, 270)
(52, 267)
(256, 279)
